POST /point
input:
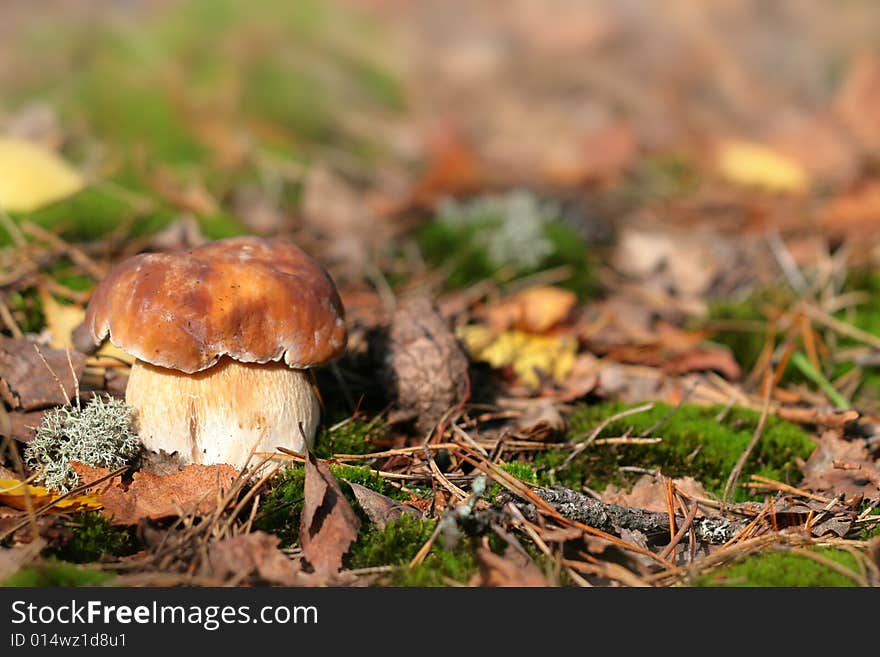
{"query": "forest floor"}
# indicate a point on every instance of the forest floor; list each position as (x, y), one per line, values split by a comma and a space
(610, 272)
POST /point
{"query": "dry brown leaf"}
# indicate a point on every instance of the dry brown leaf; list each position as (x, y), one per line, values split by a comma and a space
(512, 569)
(381, 509)
(840, 466)
(328, 525)
(29, 383)
(256, 552)
(195, 487)
(534, 310)
(648, 493)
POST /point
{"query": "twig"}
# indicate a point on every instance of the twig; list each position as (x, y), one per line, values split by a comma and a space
(52, 372)
(594, 434)
(741, 461)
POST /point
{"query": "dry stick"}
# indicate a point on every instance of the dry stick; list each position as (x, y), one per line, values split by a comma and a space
(521, 490)
(766, 482)
(75, 377)
(580, 447)
(684, 529)
(741, 461)
(9, 321)
(833, 565)
(78, 256)
(448, 485)
(838, 326)
(52, 372)
(668, 492)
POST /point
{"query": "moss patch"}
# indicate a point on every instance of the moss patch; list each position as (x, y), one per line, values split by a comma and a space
(280, 511)
(93, 538)
(399, 542)
(781, 568)
(57, 573)
(352, 437)
(694, 444)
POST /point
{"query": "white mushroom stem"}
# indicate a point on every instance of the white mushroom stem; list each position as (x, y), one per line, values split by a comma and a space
(221, 414)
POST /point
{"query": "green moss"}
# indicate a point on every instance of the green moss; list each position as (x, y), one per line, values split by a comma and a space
(57, 573)
(781, 568)
(399, 542)
(93, 538)
(351, 437)
(694, 444)
(280, 510)
(519, 469)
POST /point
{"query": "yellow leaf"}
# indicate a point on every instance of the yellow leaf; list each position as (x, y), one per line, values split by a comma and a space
(526, 353)
(754, 165)
(61, 319)
(14, 493)
(32, 176)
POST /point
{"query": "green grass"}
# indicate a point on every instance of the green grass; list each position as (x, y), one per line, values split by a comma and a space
(782, 569)
(693, 444)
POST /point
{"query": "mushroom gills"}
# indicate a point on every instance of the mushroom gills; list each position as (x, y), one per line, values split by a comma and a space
(220, 414)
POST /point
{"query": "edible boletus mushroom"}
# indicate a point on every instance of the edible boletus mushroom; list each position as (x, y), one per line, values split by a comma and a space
(223, 336)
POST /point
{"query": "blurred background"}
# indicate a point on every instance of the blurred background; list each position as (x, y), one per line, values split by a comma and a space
(702, 165)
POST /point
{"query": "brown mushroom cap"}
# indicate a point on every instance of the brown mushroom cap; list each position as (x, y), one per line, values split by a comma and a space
(252, 299)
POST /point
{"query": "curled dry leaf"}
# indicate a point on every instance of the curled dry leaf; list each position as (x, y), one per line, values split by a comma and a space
(381, 509)
(535, 310)
(194, 488)
(254, 553)
(328, 525)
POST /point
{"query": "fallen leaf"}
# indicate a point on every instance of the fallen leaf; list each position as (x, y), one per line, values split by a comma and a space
(512, 569)
(541, 420)
(380, 509)
(534, 310)
(22, 425)
(256, 552)
(61, 320)
(32, 176)
(454, 167)
(328, 525)
(648, 493)
(14, 493)
(754, 165)
(841, 466)
(194, 488)
(28, 382)
(529, 355)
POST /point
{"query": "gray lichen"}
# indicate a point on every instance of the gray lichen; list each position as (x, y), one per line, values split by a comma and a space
(99, 434)
(510, 227)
